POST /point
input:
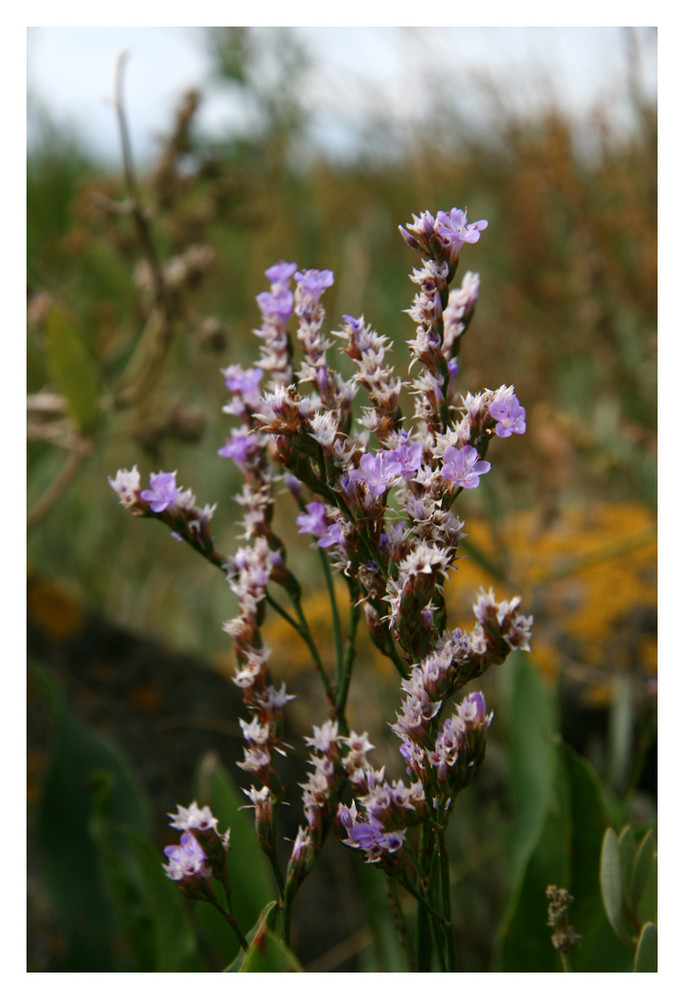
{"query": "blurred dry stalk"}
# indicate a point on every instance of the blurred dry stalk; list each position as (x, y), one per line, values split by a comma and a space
(165, 297)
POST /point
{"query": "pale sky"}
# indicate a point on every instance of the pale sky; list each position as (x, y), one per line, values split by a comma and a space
(71, 72)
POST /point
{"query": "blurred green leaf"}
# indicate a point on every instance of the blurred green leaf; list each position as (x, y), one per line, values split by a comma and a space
(621, 724)
(626, 850)
(566, 854)
(175, 946)
(523, 943)
(72, 368)
(644, 865)
(600, 950)
(531, 758)
(69, 860)
(268, 954)
(266, 921)
(646, 952)
(120, 873)
(611, 882)
(251, 881)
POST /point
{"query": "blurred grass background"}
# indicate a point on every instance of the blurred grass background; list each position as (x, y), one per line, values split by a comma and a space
(567, 313)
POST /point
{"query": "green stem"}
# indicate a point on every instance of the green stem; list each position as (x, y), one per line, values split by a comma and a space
(336, 617)
(566, 961)
(343, 681)
(306, 634)
(285, 917)
(233, 924)
(302, 628)
(423, 930)
(397, 915)
(447, 901)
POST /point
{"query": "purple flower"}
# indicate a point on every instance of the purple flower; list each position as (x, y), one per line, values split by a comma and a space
(463, 466)
(452, 230)
(162, 493)
(510, 416)
(242, 381)
(278, 303)
(423, 226)
(280, 273)
(314, 282)
(186, 859)
(472, 710)
(331, 536)
(377, 471)
(239, 447)
(409, 454)
(314, 520)
(366, 835)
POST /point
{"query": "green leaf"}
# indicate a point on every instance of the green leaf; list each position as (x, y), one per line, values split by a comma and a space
(646, 952)
(72, 369)
(644, 866)
(268, 954)
(611, 882)
(175, 945)
(266, 921)
(523, 943)
(122, 879)
(250, 873)
(626, 849)
(620, 736)
(600, 950)
(531, 758)
(566, 855)
(67, 855)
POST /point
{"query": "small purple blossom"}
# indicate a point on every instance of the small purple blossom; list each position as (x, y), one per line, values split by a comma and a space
(163, 491)
(314, 521)
(452, 230)
(281, 272)
(510, 416)
(238, 447)
(463, 466)
(186, 859)
(377, 471)
(277, 303)
(314, 282)
(409, 454)
(243, 381)
(332, 536)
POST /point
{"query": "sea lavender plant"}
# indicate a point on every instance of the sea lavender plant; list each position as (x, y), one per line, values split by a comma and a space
(375, 493)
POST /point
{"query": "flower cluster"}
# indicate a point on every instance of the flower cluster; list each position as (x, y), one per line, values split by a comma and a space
(386, 811)
(375, 490)
(201, 853)
(170, 503)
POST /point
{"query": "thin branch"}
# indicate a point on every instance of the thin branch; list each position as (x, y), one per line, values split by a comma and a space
(67, 473)
(148, 366)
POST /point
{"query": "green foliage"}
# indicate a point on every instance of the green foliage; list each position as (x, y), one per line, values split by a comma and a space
(628, 882)
(67, 851)
(560, 804)
(72, 368)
